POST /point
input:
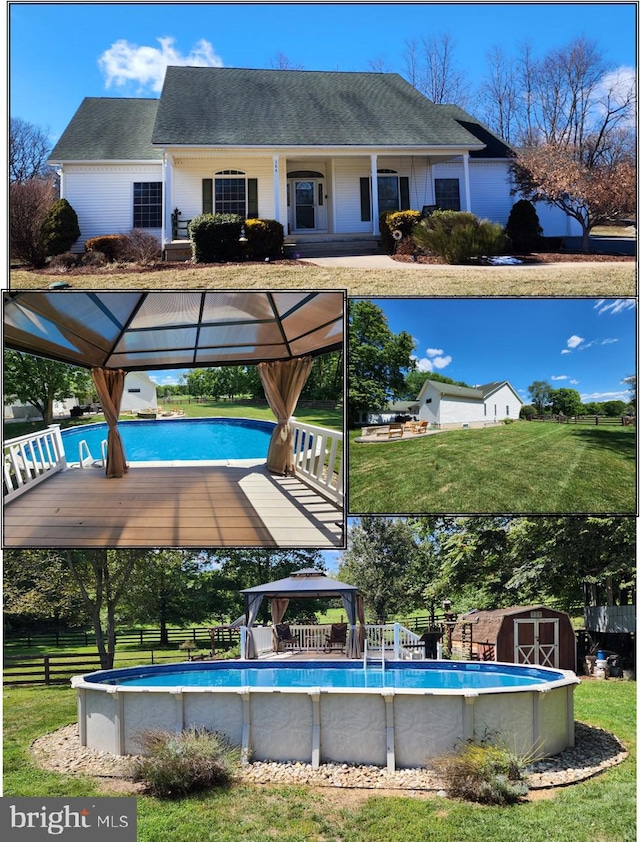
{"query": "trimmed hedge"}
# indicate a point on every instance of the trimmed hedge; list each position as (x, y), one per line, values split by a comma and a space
(402, 221)
(215, 238)
(523, 227)
(113, 246)
(265, 238)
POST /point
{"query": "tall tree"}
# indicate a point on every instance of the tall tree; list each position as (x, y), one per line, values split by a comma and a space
(29, 149)
(540, 393)
(381, 561)
(566, 402)
(378, 359)
(430, 66)
(39, 382)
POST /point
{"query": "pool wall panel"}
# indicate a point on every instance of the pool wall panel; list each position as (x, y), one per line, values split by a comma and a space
(281, 726)
(221, 712)
(425, 726)
(352, 728)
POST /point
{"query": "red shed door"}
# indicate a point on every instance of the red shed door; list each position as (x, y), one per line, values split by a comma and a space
(536, 641)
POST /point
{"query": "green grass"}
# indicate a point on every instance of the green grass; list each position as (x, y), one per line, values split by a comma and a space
(522, 467)
(598, 810)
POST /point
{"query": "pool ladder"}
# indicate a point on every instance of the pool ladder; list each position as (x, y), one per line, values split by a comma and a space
(88, 458)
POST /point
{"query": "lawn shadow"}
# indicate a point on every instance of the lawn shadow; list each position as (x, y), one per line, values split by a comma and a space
(618, 441)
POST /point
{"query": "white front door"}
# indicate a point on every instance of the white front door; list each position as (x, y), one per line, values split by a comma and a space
(536, 642)
(307, 206)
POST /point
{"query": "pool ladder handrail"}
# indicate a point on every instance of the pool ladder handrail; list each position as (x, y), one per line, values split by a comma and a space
(82, 445)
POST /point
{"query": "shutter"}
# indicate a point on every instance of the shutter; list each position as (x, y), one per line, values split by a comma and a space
(365, 200)
(404, 193)
(207, 195)
(252, 198)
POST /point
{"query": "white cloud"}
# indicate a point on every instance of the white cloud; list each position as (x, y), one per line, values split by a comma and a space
(619, 305)
(437, 362)
(565, 351)
(574, 382)
(574, 341)
(434, 352)
(559, 376)
(605, 396)
(608, 341)
(125, 62)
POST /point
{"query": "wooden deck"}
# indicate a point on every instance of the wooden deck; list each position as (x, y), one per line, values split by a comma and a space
(173, 507)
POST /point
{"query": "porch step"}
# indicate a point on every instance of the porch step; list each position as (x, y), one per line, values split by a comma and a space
(179, 251)
(336, 248)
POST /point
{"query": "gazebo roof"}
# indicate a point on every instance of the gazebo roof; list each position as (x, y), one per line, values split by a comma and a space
(304, 583)
(156, 330)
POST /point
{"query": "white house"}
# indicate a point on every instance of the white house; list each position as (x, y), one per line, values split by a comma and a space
(322, 152)
(139, 392)
(448, 406)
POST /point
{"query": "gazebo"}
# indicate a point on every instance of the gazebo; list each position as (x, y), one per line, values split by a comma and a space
(306, 583)
(112, 333)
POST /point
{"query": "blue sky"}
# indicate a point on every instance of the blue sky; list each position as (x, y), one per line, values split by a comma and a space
(583, 344)
(62, 52)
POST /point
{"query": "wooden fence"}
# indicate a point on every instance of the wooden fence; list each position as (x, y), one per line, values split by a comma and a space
(58, 669)
(140, 637)
(597, 420)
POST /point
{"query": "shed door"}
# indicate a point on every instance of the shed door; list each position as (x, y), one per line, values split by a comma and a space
(536, 641)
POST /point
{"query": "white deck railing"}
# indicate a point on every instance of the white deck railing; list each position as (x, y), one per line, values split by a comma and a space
(318, 459)
(29, 459)
(390, 641)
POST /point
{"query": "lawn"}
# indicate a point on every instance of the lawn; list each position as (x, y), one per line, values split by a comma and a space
(601, 809)
(607, 278)
(525, 467)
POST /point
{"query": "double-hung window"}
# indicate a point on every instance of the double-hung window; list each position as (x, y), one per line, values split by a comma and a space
(447, 193)
(231, 192)
(147, 204)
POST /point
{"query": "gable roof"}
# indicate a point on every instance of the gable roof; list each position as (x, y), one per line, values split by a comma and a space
(109, 129)
(245, 107)
(494, 147)
(472, 393)
(490, 388)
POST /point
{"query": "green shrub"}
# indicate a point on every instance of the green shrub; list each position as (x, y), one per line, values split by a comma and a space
(175, 764)
(60, 228)
(113, 246)
(523, 227)
(398, 221)
(484, 773)
(458, 236)
(265, 238)
(215, 238)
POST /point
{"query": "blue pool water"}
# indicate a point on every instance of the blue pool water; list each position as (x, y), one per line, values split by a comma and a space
(427, 675)
(191, 439)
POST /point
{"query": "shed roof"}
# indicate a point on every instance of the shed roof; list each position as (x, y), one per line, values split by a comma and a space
(486, 623)
(154, 330)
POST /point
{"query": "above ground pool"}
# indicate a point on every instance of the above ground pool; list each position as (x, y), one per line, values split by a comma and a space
(399, 715)
(177, 439)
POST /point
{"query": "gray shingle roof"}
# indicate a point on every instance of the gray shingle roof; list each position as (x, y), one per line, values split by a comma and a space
(240, 107)
(495, 147)
(111, 129)
(453, 390)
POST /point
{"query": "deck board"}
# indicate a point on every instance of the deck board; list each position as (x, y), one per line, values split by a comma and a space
(218, 506)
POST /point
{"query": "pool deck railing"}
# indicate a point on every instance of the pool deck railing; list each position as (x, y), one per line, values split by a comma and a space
(30, 459)
(390, 641)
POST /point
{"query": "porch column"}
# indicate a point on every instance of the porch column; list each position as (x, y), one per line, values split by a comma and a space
(467, 190)
(167, 198)
(276, 190)
(374, 195)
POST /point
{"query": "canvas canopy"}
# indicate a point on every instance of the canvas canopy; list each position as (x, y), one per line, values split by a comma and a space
(305, 583)
(162, 330)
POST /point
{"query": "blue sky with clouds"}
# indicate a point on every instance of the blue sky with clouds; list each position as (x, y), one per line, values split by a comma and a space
(62, 52)
(583, 344)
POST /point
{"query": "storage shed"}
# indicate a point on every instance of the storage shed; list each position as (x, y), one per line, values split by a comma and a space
(528, 635)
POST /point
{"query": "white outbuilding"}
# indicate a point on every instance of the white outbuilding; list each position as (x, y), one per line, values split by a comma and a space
(447, 406)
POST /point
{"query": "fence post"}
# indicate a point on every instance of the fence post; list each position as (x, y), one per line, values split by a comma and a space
(47, 674)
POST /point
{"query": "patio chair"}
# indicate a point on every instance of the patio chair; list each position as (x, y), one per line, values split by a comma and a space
(337, 637)
(286, 640)
(395, 430)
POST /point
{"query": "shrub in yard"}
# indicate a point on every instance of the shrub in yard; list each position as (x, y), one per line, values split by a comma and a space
(265, 238)
(64, 262)
(403, 222)
(523, 227)
(60, 228)
(93, 259)
(29, 202)
(176, 764)
(215, 237)
(141, 247)
(113, 246)
(458, 236)
(484, 773)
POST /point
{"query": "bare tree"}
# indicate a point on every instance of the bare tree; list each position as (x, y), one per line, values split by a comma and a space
(498, 94)
(29, 202)
(29, 149)
(379, 65)
(283, 62)
(432, 70)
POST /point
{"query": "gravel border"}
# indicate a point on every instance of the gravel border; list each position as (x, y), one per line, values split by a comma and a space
(595, 751)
